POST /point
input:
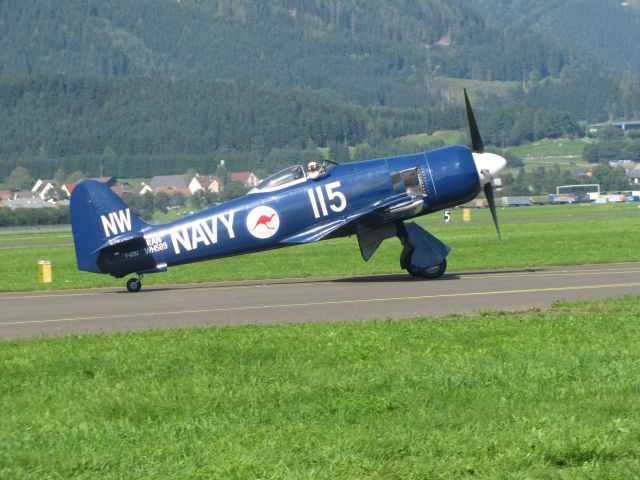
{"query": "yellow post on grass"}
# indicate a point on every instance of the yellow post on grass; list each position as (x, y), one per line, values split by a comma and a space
(466, 214)
(44, 271)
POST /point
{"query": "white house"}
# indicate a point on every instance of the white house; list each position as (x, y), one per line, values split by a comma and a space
(211, 183)
(165, 182)
(634, 176)
(248, 179)
(45, 188)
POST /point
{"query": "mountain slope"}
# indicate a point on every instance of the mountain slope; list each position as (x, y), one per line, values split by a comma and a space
(383, 52)
(607, 29)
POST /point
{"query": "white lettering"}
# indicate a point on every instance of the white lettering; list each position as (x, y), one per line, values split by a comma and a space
(123, 219)
(205, 231)
(323, 204)
(197, 235)
(332, 194)
(118, 222)
(211, 230)
(337, 194)
(228, 222)
(158, 247)
(180, 236)
(314, 204)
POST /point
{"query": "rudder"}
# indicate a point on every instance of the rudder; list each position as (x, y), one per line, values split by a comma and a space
(97, 216)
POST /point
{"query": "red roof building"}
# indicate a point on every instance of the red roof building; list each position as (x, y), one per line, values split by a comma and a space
(248, 179)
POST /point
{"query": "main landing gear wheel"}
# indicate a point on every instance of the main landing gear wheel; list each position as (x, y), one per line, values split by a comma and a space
(434, 271)
(134, 284)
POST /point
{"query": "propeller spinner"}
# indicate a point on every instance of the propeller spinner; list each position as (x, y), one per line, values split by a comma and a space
(488, 164)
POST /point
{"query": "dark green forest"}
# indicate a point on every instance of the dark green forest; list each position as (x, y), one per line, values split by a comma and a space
(142, 87)
(141, 126)
(376, 52)
(607, 29)
(380, 52)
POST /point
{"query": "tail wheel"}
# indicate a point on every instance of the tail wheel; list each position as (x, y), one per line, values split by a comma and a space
(134, 284)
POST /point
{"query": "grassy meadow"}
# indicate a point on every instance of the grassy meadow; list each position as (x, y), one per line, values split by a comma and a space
(532, 236)
(552, 395)
(36, 236)
(449, 137)
(563, 148)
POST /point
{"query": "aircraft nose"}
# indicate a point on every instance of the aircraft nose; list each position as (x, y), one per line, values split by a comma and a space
(490, 163)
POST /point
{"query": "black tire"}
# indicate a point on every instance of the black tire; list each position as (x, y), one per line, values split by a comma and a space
(435, 271)
(134, 285)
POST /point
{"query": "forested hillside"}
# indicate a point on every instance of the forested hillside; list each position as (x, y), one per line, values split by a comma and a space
(381, 52)
(608, 29)
(160, 86)
(143, 126)
(137, 126)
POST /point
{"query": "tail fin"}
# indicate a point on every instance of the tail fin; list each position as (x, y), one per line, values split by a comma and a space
(98, 216)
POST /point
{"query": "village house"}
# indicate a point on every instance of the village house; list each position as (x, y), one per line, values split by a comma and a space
(45, 188)
(25, 194)
(26, 202)
(248, 179)
(143, 189)
(211, 183)
(121, 188)
(634, 176)
(168, 183)
(67, 188)
(110, 182)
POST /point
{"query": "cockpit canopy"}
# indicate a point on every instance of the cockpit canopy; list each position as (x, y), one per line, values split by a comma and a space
(281, 178)
(285, 178)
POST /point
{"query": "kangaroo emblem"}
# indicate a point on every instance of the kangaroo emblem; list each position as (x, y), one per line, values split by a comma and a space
(264, 220)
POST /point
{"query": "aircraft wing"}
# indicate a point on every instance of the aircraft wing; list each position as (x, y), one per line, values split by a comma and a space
(379, 211)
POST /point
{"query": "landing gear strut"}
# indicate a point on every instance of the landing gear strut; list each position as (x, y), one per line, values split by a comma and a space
(134, 284)
(423, 255)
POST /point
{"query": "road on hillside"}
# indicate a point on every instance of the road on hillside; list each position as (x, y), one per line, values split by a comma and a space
(302, 300)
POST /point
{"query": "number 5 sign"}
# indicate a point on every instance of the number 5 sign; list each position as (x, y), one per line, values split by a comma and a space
(447, 216)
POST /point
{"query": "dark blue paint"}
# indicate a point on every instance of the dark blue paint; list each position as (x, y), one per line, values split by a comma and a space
(449, 175)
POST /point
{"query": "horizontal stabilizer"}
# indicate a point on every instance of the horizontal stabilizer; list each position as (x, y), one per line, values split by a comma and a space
(120, 240)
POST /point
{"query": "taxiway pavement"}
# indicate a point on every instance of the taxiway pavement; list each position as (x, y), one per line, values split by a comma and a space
(303, 300)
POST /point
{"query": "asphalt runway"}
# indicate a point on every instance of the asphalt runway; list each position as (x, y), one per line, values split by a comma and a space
(303, 300)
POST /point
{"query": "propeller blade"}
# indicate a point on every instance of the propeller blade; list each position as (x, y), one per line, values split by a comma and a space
(488, 192)
(476, 140)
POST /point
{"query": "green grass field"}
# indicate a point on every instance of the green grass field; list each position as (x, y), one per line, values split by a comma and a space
(449, 137)
(453, 87)
(552, 395)
(532, 236)
(545, 153)
(550, 148)
(541, 153)
(58, 235)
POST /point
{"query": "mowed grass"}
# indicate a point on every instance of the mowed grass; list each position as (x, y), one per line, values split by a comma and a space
(498, 396)
(532, 236)
(449, 137)
(57, 235)
(562, 150)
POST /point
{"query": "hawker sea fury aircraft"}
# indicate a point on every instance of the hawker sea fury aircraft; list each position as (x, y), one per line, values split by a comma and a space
(370, 199)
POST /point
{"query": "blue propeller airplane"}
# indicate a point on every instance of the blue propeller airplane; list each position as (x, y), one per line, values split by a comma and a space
(370, 199)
